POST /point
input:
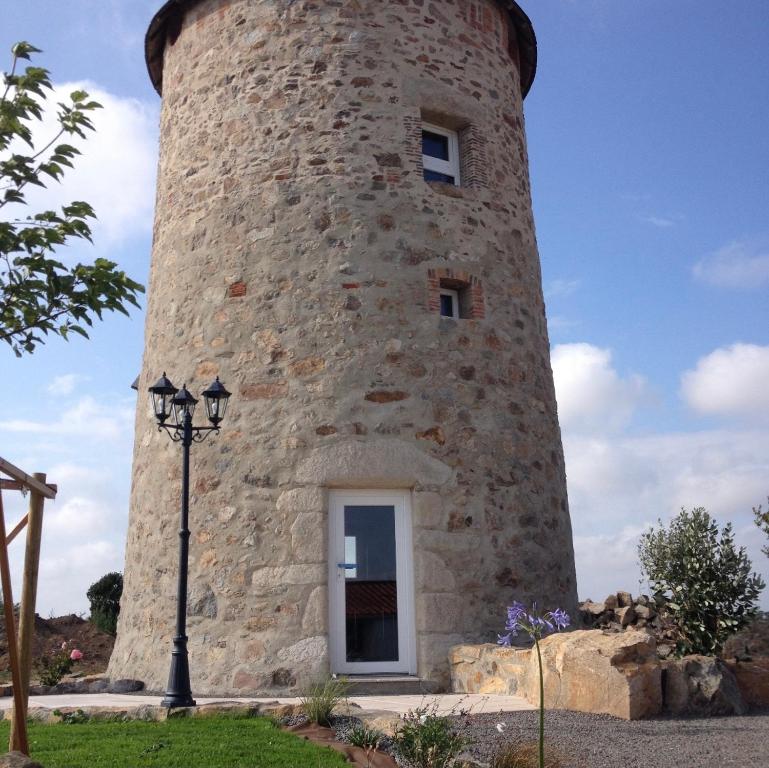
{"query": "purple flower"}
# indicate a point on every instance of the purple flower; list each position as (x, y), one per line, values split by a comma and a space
(560, 618)
(534, 624)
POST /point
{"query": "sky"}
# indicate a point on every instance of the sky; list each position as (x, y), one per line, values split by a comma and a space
(647, 127)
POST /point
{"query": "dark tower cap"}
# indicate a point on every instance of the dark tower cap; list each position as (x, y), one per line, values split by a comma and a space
(167, 22)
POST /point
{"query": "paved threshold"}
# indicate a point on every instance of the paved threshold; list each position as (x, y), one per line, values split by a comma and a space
(444, 704)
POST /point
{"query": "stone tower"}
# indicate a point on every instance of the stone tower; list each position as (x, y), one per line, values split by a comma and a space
(344, 235)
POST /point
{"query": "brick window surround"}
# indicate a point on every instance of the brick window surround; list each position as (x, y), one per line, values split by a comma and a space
(469, 287)
(473, 156)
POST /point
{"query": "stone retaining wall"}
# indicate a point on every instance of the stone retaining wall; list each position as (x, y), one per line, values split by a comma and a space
(617, 674)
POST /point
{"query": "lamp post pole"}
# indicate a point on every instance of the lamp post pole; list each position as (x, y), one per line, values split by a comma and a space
(168, 400)
(179, 691)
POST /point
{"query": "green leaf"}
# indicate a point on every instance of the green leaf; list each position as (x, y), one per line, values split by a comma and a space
(39, 295)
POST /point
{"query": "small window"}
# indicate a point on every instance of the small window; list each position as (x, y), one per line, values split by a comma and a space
(440, 154)
(449, 303)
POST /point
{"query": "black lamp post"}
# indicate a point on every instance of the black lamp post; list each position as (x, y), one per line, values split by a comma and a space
(169, 401)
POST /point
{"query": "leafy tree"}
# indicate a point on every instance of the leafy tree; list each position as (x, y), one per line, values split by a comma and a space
(38, 294)
(700, 579)
(762, 521)
(104, 596)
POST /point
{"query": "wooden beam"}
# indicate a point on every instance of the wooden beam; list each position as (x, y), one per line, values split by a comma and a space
(17, 530)
(19, 741)
(34, 485)
(28, 598)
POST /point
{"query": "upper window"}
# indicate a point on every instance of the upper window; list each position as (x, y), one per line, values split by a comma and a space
(450, 303)
(440, 154)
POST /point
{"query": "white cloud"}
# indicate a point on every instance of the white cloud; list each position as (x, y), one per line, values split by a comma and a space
(618, 486)
(86, 418)
(83, 530)
(616, 568)
(66, 573)
(64, 384)
(731, 381)
(592, 396)
(661, 222)
(561, 288)
(619, 483)
(741, 264)
(115, 172)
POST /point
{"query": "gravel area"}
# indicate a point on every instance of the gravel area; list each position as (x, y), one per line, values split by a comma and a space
(600, 741)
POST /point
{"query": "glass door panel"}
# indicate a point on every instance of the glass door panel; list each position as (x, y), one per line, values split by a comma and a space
(371, 586)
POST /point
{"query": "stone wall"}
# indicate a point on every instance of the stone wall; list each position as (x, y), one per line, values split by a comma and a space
(584, 671)
(295, 250)
(613, 673)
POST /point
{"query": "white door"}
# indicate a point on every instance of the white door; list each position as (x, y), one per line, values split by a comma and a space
(371, 592)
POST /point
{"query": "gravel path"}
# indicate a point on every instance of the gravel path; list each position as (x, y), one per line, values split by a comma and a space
(600, 741)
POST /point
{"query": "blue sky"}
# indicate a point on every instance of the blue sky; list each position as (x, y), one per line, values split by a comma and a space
(647, 128)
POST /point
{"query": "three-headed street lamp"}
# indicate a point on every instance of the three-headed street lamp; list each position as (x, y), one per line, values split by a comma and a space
(179, 406)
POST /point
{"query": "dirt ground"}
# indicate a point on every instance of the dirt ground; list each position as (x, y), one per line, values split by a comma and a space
(95, 645)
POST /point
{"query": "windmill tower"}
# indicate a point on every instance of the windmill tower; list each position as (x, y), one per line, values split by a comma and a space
(344, 235)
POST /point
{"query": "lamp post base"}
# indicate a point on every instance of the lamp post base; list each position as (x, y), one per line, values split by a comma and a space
(171, 701)
(178, 692)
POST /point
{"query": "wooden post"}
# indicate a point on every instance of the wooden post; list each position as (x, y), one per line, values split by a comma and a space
(28, 598)
(19, 740)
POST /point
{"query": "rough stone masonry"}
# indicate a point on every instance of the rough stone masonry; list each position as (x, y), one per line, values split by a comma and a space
(299, 254)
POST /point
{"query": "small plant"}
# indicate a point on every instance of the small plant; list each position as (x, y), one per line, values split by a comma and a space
(368, 739)
(52, 668)
(536, 626)
(319, 701)
(365, 738)
(700, 579)
(78, 717)
(521, 756)
(426, 740)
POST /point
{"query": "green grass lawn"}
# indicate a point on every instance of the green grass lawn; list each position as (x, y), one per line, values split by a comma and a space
(215, 742)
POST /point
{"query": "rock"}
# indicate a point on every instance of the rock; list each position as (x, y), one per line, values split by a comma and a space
(125, 686)
(377, 720)
(626, 615)
(644, 611)
(593, 671)
(490, 669)
(752, 680)
(466, 760)
(594, 609)
(642, 600)
(17, 760)
(98, 686)
(624, 599)
(283, 678)
(611, 601)
(664, 650)
(584, 671)
(202, 602)
(701, 685)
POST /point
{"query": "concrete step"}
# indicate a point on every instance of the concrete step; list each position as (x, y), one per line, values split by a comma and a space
(389, 685)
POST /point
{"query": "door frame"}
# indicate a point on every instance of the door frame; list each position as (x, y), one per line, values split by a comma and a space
(404, 561)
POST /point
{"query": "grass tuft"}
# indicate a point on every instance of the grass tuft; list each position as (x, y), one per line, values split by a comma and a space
(520, 755)
(365, 738)
(319, 701)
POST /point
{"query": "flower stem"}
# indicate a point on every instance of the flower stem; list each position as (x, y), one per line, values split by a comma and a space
(541, 706)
